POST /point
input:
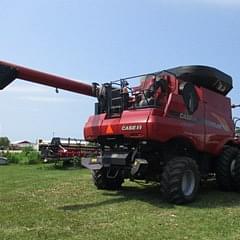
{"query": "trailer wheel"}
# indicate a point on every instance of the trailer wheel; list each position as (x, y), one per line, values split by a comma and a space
(101, 181)
(227, 169)
(180, 180)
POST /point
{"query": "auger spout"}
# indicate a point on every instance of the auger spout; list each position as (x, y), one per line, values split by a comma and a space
(9, 72)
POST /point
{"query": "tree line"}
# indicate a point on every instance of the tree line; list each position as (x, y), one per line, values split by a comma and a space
(4, 143)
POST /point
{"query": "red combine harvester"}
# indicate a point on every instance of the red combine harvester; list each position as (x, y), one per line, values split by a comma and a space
(174, 128)
(67, 150)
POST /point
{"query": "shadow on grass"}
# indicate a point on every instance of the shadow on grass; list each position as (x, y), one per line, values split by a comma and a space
(209, 197)
(148, 194)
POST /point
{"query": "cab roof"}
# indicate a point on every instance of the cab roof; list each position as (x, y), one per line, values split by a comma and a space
(204, 76)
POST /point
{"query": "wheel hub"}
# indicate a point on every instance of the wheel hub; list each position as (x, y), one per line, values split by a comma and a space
(188, 182)
(232, 167)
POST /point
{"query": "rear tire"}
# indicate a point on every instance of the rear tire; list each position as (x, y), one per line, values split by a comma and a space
(237, 173)
(228, 169)
(101, 181)
(180, 180)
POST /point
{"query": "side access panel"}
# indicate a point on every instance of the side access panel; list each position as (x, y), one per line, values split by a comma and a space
(219, 124)
(92, 128)
(133, 123)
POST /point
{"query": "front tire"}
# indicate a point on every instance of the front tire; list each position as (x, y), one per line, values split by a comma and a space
(180, 180)
(102, 181)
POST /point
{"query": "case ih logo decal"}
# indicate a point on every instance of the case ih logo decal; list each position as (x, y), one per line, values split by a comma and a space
(186, 116)
(220, 124)
(131, 127)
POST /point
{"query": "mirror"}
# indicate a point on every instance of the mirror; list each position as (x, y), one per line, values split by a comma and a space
(189, 95)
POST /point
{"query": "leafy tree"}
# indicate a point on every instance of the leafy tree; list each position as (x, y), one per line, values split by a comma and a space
(4, 143)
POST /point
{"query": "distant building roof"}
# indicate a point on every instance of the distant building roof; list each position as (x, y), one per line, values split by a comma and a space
(21, 142)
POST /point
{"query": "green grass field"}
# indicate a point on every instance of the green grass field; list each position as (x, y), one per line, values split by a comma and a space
(41, 202)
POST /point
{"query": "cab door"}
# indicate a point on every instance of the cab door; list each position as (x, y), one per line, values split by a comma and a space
(185, 115)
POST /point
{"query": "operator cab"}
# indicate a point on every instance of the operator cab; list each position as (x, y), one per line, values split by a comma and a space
(150, 91)
(117, 96)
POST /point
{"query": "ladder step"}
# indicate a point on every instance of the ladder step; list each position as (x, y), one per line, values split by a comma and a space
(116, 89)
(115, 115)
(116, 98)
(116, 107)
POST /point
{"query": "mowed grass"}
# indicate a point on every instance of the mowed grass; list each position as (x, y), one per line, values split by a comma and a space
(40, 202)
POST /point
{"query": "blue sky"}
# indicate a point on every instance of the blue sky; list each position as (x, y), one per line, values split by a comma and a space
(100, 40)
